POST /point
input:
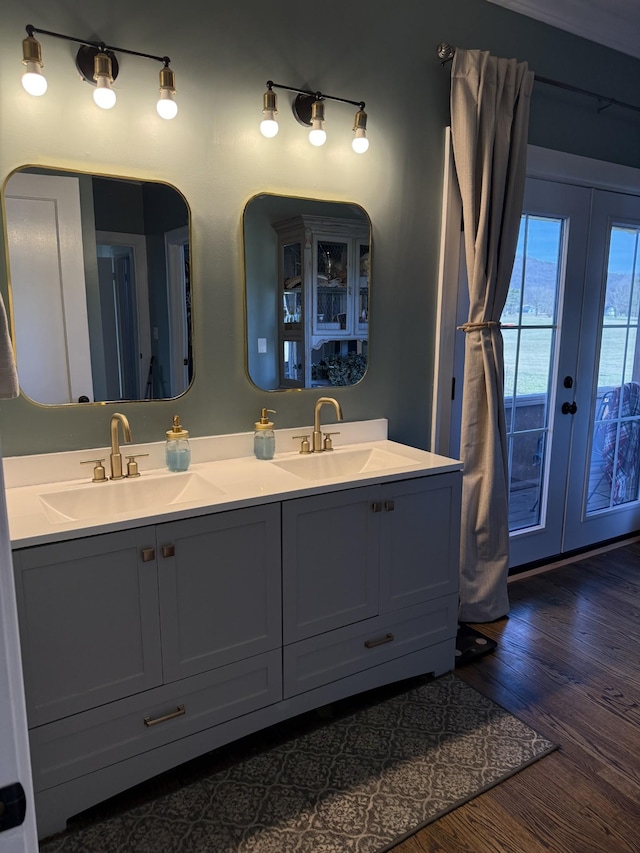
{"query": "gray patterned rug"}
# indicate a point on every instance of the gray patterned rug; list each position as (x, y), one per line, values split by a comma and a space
(360, 782)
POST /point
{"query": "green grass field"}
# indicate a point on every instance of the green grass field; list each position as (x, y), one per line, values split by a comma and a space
(618, 347)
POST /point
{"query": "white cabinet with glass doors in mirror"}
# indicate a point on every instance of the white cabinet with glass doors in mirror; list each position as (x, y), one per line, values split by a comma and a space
(313, 294)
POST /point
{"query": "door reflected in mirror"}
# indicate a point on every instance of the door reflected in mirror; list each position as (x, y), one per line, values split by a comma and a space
(307, 278)
(100, 286)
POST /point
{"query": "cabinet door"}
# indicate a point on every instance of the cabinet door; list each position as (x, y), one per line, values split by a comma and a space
(219, 579)
(89, 626)
(330, 561)
(420, 540)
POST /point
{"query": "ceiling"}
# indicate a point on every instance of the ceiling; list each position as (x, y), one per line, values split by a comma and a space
(613, 23)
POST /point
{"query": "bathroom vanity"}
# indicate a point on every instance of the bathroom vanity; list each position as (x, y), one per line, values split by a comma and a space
(259, 590)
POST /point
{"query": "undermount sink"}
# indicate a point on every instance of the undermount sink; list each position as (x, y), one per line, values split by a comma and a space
(103, 500)
(342, 463)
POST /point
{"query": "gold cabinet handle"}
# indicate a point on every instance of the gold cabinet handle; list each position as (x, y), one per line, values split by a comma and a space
(371, 644)
(148, 554)
(154, 721)
(168, 550)
(389, 506)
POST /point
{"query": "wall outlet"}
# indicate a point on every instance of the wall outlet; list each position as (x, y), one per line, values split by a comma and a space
(262, 344)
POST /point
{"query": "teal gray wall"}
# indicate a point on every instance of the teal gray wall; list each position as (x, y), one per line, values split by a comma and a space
(213, 153)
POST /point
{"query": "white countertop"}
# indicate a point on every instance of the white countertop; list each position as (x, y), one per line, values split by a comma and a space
(223, 475)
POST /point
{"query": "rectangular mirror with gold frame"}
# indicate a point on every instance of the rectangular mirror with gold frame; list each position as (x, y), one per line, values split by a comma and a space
(307, 277)
(99, 286)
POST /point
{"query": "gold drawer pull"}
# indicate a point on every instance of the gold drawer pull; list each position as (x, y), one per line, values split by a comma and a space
(179, 712)
(371, 644)
(389, 506)
(148, 554)
(168, 550)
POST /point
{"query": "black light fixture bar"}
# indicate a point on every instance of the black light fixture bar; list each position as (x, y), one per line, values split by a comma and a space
(97, 44)
(319, 96)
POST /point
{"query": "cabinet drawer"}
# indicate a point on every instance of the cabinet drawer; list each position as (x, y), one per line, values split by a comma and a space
(337, 654)
(103, 736)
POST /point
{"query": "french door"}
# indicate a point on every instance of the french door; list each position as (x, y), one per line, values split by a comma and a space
(572, 370)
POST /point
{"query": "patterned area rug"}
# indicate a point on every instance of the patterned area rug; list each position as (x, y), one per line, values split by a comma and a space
(360, 782)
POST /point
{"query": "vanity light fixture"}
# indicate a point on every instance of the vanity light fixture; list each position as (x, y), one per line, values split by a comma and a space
(33, 80)
(269, 125)
(308, 109)
(98, 65)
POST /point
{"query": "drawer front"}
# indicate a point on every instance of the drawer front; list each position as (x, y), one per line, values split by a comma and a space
(337, 654)
(103, 736)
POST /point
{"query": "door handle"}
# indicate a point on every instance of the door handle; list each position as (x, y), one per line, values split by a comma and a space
(569, 408)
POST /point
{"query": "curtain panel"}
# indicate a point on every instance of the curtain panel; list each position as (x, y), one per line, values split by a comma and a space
(490, 100)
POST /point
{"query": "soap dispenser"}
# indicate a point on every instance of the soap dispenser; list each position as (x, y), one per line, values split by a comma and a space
(264, 438)
(177, 451)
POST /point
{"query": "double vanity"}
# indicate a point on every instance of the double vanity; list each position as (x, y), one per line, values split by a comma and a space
(164, 615)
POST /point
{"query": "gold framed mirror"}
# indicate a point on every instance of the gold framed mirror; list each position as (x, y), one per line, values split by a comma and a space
(99, 286)
(307, 280)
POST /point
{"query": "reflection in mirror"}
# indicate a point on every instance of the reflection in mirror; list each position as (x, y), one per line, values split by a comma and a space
(307, 268)
(100, 286)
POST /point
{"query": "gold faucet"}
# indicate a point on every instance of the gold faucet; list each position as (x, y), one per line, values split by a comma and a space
(116, 457)
(317, 434)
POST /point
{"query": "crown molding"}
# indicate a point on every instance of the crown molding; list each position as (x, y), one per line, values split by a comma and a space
(612, 23)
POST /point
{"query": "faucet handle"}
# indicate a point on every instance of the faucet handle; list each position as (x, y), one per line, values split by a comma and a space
(305, 446)
(99, 474)
(327, 445)
(132, 465)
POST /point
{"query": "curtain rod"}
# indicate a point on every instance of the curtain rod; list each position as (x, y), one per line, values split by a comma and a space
(447, 51)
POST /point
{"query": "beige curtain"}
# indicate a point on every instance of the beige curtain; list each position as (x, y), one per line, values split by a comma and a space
(489, 122)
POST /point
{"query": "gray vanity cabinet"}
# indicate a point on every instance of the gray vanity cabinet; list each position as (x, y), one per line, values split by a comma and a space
(89, 622)
(369, 575)
(145, 648)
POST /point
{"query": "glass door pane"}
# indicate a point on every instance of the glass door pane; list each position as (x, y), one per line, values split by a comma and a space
(530, 334)
(615, 440)
(331, 312)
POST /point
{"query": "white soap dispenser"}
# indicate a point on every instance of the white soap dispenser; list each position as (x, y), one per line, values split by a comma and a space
(264, 438)
(177, 450)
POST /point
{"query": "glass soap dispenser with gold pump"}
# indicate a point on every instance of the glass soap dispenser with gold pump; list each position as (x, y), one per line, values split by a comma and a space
(177, 450)
(264, 438)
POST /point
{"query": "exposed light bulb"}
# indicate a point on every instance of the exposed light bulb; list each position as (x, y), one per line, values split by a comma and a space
(33, 80)
(317, 134)
(103, 95)
(166, 106)
(360, 143)
(269, 125)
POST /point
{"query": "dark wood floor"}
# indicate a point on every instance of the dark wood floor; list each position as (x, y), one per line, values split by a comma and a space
(568, 664)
